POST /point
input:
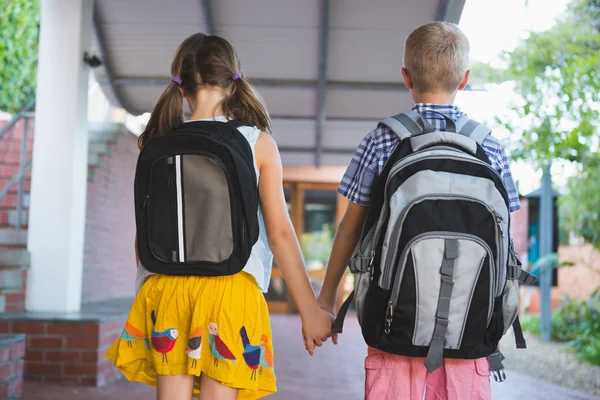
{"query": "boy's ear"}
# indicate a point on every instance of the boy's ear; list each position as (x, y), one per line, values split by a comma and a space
(407, 79)
(465, 80)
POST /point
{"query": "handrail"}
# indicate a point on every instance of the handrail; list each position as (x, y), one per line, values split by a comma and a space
(16, 177)
(24, 164)
(24, 113)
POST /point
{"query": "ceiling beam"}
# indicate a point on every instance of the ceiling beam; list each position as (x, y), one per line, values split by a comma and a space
(273, 84)
(451, 10)
(209, 21)
(110, 77)
(322, 78)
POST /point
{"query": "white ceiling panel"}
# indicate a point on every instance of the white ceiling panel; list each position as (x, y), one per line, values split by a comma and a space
(366, 104)
(142, 51)
(289, 102)
(274, 52)
(366, 55)
(155, 12)
(392, 15)
(294, 132)
(272, 13)
(346, 134)
(142, 97)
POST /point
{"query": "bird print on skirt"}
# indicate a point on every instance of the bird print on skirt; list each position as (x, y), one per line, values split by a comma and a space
(266, 355)
(252, 354)
(218, 348)
(163, 341)
(131, 334)
(195, 346)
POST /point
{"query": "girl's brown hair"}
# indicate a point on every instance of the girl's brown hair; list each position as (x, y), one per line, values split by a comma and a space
(203, 60)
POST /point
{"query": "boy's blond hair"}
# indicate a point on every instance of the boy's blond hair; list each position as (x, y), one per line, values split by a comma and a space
(436, 56)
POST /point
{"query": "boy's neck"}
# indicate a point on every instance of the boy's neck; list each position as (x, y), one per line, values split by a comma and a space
(433, 97)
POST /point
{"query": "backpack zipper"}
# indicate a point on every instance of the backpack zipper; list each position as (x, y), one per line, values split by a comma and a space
(413, 158)
(388, 271)
(394, 169)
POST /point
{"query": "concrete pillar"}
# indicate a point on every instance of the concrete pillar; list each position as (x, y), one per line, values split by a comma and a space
(59, 175)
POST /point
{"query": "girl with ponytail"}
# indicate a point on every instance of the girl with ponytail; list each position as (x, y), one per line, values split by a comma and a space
(212, 335)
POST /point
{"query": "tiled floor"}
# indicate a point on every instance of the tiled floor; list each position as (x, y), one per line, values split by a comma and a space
(334, 373)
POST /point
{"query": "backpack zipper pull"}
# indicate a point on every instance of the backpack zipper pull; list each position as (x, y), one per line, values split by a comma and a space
(388, 317)
(499, 221)
(371, 264)
(146, 201)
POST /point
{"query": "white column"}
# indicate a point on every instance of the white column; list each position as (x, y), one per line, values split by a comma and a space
(59, 175)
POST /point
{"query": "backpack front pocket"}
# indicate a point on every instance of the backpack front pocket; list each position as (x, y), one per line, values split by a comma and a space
(432, 287)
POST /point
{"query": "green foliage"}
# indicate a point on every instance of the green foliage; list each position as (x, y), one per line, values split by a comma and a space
(19, 33)
(556, 73)
(576, 322)
(579, 210)
(482, 73)
(316, 246)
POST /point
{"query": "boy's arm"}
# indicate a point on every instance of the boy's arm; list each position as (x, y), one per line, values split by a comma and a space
(346, 239)
(513, 194)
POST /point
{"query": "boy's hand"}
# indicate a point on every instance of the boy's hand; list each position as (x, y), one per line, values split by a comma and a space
(329, 308)
(316, 329)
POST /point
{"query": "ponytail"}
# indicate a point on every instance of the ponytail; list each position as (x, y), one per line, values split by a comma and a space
(244, 104)
(166, 114)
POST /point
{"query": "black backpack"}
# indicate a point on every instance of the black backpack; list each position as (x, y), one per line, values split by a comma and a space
(196, 200)
(435, 273)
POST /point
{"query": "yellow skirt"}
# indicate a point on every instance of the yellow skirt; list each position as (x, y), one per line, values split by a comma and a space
(218, 326)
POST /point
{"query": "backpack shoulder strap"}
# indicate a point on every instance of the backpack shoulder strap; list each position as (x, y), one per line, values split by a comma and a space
(236, 124)
(407, 124)
(472, 129)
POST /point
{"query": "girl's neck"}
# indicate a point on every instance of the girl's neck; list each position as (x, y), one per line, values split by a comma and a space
(207, 103)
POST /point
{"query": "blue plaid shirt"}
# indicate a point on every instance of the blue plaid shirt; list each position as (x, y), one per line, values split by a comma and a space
(377, 147)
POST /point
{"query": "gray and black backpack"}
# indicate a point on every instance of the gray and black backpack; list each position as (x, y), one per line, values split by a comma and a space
(196, 200)
(435, 273)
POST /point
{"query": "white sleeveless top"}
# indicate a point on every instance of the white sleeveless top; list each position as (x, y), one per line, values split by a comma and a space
(260, 262)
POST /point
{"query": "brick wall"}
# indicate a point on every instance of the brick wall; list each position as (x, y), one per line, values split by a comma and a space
(12, 350)
(109, 259)
(67, 352)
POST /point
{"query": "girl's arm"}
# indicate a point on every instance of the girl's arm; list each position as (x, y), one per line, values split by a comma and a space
(316, 323)
(137, 257)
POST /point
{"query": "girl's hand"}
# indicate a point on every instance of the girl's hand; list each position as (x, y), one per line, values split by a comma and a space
(316, 329)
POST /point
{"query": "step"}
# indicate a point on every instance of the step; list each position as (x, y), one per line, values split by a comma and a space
(13, 237)
(14, 258)
(11, 279)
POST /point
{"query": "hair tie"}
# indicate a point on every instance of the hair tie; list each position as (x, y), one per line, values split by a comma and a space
(177, 80)
(236, 76)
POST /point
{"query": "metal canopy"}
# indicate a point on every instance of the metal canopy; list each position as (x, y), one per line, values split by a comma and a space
(328, 70)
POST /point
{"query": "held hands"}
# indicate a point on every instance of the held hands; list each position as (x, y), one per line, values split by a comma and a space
(316, 329)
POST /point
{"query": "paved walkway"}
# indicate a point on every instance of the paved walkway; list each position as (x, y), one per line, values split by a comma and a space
(334, 373)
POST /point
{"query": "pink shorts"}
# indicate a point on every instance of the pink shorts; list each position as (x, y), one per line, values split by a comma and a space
(393, 377)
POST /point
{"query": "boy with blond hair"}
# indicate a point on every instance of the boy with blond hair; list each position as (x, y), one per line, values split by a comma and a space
(436, 67)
